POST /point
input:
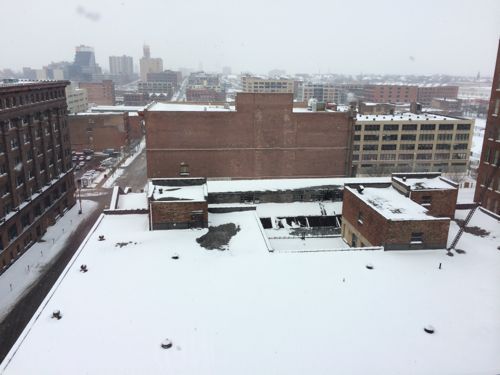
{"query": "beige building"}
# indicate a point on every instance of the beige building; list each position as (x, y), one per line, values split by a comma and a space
(411, 143)
(322, 92)
(76, 99)
(258, 84)
(149, 64)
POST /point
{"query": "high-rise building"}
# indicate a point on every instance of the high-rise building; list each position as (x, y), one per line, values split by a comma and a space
(149, 64)
(84, 67)
(488, 179)
(100, 93)
(121, 65)
(36, 175)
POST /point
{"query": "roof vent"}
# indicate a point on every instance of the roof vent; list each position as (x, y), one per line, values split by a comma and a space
(369, 266)
(160, 190)
(166, 344)
(404, 178)
(429, 329)
(56, 315)
(360, 189)
(83, 268)
(101, 237)
(175, 256)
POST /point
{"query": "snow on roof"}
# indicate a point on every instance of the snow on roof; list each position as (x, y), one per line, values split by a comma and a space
(289, 209)
(408, 116)
(174, 107)
(392, 205)
(174, 193)
(132, 201)
(116, 108)
(246, 310)
(227, 186)
(425, 183)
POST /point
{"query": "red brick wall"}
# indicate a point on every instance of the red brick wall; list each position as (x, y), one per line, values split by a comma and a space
(135, 127)
(443, 202)
(176, 212)
(263, 138)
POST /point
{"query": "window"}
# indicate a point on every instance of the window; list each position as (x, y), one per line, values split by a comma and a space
(426, 137)
(14, 143)
(462, 137)
(406, 156)
(445, 137)
(425, 146)
(446, 126)
(460, 146)
(357, 137)
(407, 146)
(370, 137)
(424, 156)
(496, 110)
(463, 126)
(409, 127)
(387, 156)
(355, 157)
(390, 137)
(391, 127)
(389, 147)
(417, 237)
(408, 137)
(360, 218)
(460, 156)
(370, 147)
(184, 169)
(441, 156)
(12, 232)
(426, 199)
(372, 127)
(443, 146)
(428, 127)
(357, 128)
(355, 147)
(370, 157)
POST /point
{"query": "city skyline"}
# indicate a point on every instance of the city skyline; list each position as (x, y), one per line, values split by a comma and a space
(370, 38)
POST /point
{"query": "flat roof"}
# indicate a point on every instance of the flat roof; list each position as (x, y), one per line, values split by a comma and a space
(393, 205)
(423, 183)
(116, 108)
(246, 310)
(160, 192)
(175, 107)
(228, 186)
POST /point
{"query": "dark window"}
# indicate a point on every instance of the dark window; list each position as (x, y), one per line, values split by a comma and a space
(460, 146)
(408, 137)
(426, 137)
(443, 146)
(425, 146)
(463, 126)
(390, 137)
(370, 137)
(409, 127)
(417, 237)
(446, 126)
(428, 127)
(391, 127)
(357, 137)
(372, 127)
(12, 232)
(389, 147)
(370, 147)
(357, 127)
(426, 199)
(407, 147)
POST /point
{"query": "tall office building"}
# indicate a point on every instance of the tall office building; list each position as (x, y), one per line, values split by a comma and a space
(488, 179)
(36, 175)
(121, 65)
(149, 64)
(84, 67)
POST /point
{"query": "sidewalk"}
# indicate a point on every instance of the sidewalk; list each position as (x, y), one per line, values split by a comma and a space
(16, 281)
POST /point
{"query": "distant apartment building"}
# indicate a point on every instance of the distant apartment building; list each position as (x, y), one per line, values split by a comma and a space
(411, 143)
(390, 93)
(323, 92)
(121, 65)
(447, 106)
(262, 136)
(488, 179)
(36, 175)
(258, 84)
(169, 76)
(100, 93)
(99, 131)
(205, 87)
(135, 99)
(428, 92)
(366, 108)
(76, 99)
(152, 87)
(148, 64)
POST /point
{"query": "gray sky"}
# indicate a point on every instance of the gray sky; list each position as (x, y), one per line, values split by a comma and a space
(379, 36)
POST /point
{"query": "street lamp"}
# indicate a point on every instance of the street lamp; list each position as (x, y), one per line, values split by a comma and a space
(79, 182)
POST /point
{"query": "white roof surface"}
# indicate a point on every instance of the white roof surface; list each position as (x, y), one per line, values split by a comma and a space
(393, 205)
(116, 108)
(248, 311)
(175, 107)
(425, 183)
(132, 201)
(408, 116)
(174, 193)
(227, 186)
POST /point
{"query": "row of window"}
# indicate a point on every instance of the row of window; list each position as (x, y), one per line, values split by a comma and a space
(411, 146)
(412, 137)
(410, 127)
(436, 156)
(34, 97)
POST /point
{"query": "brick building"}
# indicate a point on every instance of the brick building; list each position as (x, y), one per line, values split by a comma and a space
(488, 179)
(178, 203)
(379, 215)
(99, 131)
(100, 93)
(205, 87)
(262, 136)
(367, 108)
(390, 93)
(428, 92)
(173, 77)
(36, 176)
(446, 106)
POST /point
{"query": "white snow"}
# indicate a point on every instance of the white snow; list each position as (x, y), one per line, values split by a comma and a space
(466, 195)
(425, 183)
(132, 201)
(393, 205)
(408, 116)
(192, 192)
(132, 157)
(21, 275)
(298, 209)
(226, 186)
(175, 107)
(248, 311)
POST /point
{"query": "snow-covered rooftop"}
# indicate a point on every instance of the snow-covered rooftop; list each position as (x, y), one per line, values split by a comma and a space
(116, 108)
(132, 201)
(227, 186)
(175, 107)
(391, 204)
(423, 183)
(160, 192)
(408, 116)
(248, 311)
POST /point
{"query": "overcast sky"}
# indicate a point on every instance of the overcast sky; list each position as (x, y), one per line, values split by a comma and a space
(369, 36)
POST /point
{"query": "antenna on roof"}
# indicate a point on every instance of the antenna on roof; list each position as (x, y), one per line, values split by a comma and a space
(360, 189)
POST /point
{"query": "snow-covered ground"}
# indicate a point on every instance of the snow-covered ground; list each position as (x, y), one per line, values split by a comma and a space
(249, 311)
(132, 157)
(466, 195)
(19, 277)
